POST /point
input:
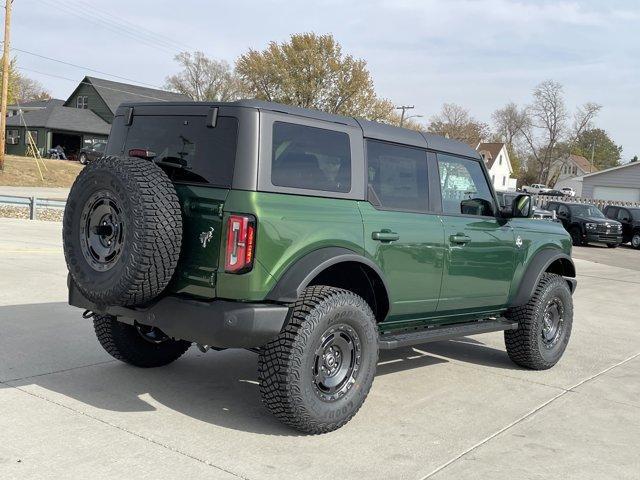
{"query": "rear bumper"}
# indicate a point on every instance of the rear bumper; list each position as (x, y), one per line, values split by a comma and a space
(219, 324)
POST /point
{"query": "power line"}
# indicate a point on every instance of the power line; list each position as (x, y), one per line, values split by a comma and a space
(83, 67)
(115, 28)
(126, 23)
(93, 85)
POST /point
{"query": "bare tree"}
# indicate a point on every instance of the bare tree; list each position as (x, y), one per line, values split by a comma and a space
(28, 90)
(454, 121)
(546, 132)
(204, 79)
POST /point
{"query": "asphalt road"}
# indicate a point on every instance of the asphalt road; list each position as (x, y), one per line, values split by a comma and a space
(623, 256)
(447, 410)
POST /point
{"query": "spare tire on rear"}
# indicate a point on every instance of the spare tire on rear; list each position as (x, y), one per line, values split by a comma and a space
(122, 231)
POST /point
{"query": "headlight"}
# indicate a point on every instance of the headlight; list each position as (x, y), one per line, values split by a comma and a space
(591, 226)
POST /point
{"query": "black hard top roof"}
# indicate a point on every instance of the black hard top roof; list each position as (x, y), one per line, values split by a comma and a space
(373, 130)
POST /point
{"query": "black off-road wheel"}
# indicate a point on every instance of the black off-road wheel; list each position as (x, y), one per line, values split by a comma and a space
(122, 231)
(82, 159)
(138, 345)
(544, 325)
(317, 373)
(635, 240)
(576, 237)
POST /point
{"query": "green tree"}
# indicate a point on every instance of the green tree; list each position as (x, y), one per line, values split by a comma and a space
(311, 71)
(596, 141)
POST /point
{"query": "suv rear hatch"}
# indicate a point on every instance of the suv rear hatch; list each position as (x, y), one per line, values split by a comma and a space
(196, 148)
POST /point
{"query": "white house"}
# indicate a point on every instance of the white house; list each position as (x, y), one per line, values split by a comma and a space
(570, 171)
(496, 158)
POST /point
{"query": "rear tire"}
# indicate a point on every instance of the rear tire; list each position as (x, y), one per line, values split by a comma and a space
(544, 325)
(635, 240)
(317, 373)
(82, 159)
(137, 345)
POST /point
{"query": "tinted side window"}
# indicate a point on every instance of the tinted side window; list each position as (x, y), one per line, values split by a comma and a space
(611, 212)
(398, 176)
(464, 187)
(311, 158)
(624, 215)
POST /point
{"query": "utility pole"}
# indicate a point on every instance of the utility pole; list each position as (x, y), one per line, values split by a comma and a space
(404, 108)
(5, 80)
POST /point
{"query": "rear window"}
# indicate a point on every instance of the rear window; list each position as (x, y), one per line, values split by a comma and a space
(311, 158)
(201, 154)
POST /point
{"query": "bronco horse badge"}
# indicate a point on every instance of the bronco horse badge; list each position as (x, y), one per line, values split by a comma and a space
(205, 237)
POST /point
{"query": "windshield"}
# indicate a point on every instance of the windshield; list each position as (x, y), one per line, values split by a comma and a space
(586, 211)
(206, 153)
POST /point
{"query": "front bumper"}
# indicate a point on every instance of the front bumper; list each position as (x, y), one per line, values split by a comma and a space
(219, 324)
(603, 237)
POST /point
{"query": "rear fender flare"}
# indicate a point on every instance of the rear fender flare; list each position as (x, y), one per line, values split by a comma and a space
(300, 274)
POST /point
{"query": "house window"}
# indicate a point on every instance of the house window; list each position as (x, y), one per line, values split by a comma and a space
(504, 181)
(493, 179)
(82, 101)
(500, 160)
(13, 137)
(34, 137)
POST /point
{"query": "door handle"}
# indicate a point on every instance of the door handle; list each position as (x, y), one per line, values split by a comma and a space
(385, 235)
(459, 238)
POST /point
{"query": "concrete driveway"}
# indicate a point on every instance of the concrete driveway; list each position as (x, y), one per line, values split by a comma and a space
(448, 410)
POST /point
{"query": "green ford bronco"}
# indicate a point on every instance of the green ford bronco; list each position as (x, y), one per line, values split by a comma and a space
(314, 240)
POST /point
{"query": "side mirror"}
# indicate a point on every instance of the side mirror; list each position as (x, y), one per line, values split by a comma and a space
(562, 215)
(476, 206)
(522, 207)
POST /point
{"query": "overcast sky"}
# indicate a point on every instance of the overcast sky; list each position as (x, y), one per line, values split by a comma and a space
(477, 53)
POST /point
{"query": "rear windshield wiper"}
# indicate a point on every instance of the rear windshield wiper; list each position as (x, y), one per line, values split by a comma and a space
(166, 161)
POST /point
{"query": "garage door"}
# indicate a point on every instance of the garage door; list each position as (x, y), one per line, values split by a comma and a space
(623, 194)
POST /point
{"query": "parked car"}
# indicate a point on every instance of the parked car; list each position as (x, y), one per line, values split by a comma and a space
(91, 153)
(554, 193)
(568, 191)
(536, 188)
(505, 199)
(270, 228)
(587, 224)
(629, 217)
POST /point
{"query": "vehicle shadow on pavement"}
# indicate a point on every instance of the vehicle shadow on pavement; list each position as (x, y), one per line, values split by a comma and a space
(219, 388)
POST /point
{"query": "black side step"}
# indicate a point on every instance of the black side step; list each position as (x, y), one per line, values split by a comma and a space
(389, 341)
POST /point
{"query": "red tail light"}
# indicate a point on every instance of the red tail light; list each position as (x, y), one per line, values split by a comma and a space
(241, 235)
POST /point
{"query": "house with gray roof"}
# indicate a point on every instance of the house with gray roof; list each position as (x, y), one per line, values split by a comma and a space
(80, 121)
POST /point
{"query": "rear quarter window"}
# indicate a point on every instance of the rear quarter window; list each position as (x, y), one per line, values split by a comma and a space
(311, 158)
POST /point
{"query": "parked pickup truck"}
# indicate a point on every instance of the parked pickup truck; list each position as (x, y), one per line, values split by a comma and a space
(311, 239)
(536, 188)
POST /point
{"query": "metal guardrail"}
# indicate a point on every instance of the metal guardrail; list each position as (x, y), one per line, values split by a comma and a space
(32, 202)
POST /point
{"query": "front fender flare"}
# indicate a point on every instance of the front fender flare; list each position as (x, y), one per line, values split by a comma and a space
(299, 274)
(537, 266)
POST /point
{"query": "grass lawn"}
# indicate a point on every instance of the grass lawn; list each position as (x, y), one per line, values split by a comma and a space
(23, 172)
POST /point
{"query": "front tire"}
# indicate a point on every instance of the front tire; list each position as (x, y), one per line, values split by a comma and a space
(317, 373)
(137, 345)
(635, 240)
(544, 325)
(82, 159)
